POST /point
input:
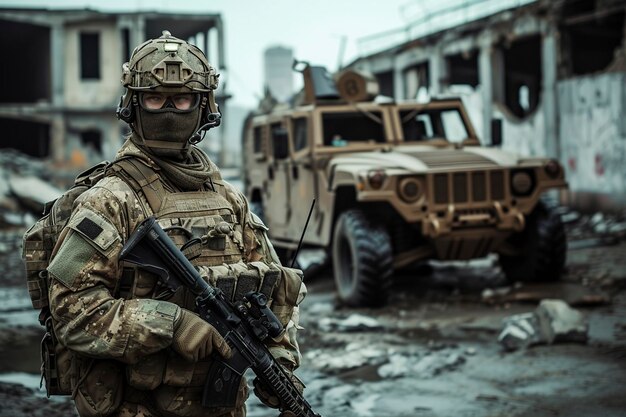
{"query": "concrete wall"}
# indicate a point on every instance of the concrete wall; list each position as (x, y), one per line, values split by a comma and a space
(523, 136)
(593, 132)
(92, 93)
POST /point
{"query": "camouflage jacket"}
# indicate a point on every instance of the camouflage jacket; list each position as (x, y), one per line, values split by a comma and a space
(93, 320)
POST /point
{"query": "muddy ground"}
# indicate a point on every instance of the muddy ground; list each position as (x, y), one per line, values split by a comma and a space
(432, 351)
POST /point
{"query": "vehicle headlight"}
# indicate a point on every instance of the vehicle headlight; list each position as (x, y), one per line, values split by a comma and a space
(410, 189)
(522, 183)
(552, 168)
(376, 178)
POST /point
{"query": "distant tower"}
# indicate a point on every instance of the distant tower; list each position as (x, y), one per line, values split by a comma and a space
(278, 72)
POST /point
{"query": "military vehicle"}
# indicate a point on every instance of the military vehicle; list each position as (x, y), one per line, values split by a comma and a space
(395, 183)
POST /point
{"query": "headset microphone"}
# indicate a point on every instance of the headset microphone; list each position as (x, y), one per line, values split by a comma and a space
(214, 120)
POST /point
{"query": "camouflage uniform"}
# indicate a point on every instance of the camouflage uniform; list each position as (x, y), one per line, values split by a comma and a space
(119, 334)
(118, 327)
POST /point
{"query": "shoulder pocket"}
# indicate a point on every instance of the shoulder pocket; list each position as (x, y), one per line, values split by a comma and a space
(95, 229)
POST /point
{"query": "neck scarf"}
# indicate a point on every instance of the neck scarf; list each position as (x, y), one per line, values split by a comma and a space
(188, 174)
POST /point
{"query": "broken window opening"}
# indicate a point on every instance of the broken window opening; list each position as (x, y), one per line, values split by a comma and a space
(126, 45)
(463, 69)
(92, 139)
(590, 35)
(25, 77)
(90, 56)
(416, 81)
(31, 138)
(522, 75)
(385, 83)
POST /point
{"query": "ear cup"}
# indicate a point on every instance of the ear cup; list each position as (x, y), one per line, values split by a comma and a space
(126, 114)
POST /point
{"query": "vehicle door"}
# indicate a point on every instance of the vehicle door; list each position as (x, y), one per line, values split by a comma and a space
(301, 174)
(278, 185)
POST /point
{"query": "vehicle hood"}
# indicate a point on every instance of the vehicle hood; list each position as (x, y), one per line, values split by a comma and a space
(419, 159)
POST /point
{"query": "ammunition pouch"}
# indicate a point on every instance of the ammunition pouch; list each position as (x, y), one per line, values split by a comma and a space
(147, 374)
(99, 391)
(237, 279)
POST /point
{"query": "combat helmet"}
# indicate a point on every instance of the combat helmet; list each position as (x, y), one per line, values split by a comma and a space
(171, 66)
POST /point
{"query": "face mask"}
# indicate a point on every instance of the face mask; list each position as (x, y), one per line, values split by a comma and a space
(170, 126)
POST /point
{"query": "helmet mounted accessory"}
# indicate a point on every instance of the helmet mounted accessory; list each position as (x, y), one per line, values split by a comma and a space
(169, 66)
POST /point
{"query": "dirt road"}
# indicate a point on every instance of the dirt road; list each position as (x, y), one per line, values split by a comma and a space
(432, 352)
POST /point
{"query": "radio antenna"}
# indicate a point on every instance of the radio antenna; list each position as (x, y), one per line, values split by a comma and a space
(295, 255)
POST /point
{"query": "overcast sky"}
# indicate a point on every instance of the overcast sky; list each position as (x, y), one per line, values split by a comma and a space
(312, 28)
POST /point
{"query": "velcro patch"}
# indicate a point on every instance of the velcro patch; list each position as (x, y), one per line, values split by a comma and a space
(89, 228)
(95, 229)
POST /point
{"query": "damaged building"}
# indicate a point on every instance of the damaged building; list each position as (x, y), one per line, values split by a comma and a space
(61, 79)
(543, 77)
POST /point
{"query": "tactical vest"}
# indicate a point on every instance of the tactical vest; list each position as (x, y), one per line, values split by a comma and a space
(205, 226)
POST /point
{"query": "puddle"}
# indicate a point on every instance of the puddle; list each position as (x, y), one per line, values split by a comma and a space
(28, 380)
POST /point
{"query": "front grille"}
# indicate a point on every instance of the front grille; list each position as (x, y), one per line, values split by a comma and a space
(441, 189)
(479, 186)
(460, 182)
(497, 185)
(459, 185)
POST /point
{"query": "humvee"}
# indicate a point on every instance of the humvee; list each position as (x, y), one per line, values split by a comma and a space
(395, 183)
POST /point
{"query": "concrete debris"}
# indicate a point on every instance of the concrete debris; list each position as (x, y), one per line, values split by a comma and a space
(427, 366)
(397, 366)
(570, 217)
(435, 364)
(599, 229)
(353, 323)
(24, 188)
(561, 323)
(33, 192)
(338, 396)
(618, 229)
(554, 321)
(354, 355)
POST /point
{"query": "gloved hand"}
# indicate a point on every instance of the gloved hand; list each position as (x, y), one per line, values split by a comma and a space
(195, 339)
(267, 396)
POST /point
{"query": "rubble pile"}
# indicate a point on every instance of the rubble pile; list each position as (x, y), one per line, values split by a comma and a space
(595, 229)
(24, 189)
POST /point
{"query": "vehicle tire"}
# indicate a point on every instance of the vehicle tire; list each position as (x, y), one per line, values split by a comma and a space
(543, 245)
(362, 260)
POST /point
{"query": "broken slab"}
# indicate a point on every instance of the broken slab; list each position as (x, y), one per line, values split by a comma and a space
(352, 323)
(554, 321)
(33, 192)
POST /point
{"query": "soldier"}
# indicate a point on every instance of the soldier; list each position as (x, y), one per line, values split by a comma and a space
(134, 347)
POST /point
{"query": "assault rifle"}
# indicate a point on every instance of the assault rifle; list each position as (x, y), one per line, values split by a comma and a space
(244, 325)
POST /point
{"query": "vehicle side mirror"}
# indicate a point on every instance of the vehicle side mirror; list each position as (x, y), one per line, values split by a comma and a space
(496, 132)
(281, 143)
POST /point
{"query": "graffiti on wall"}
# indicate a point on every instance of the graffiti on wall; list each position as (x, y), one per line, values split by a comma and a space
(593, 143)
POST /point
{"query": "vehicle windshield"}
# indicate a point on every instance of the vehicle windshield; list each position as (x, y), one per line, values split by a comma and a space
(342, 128)
(428, 124)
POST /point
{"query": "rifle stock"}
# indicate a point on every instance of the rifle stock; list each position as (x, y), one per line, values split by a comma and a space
(244, 325)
